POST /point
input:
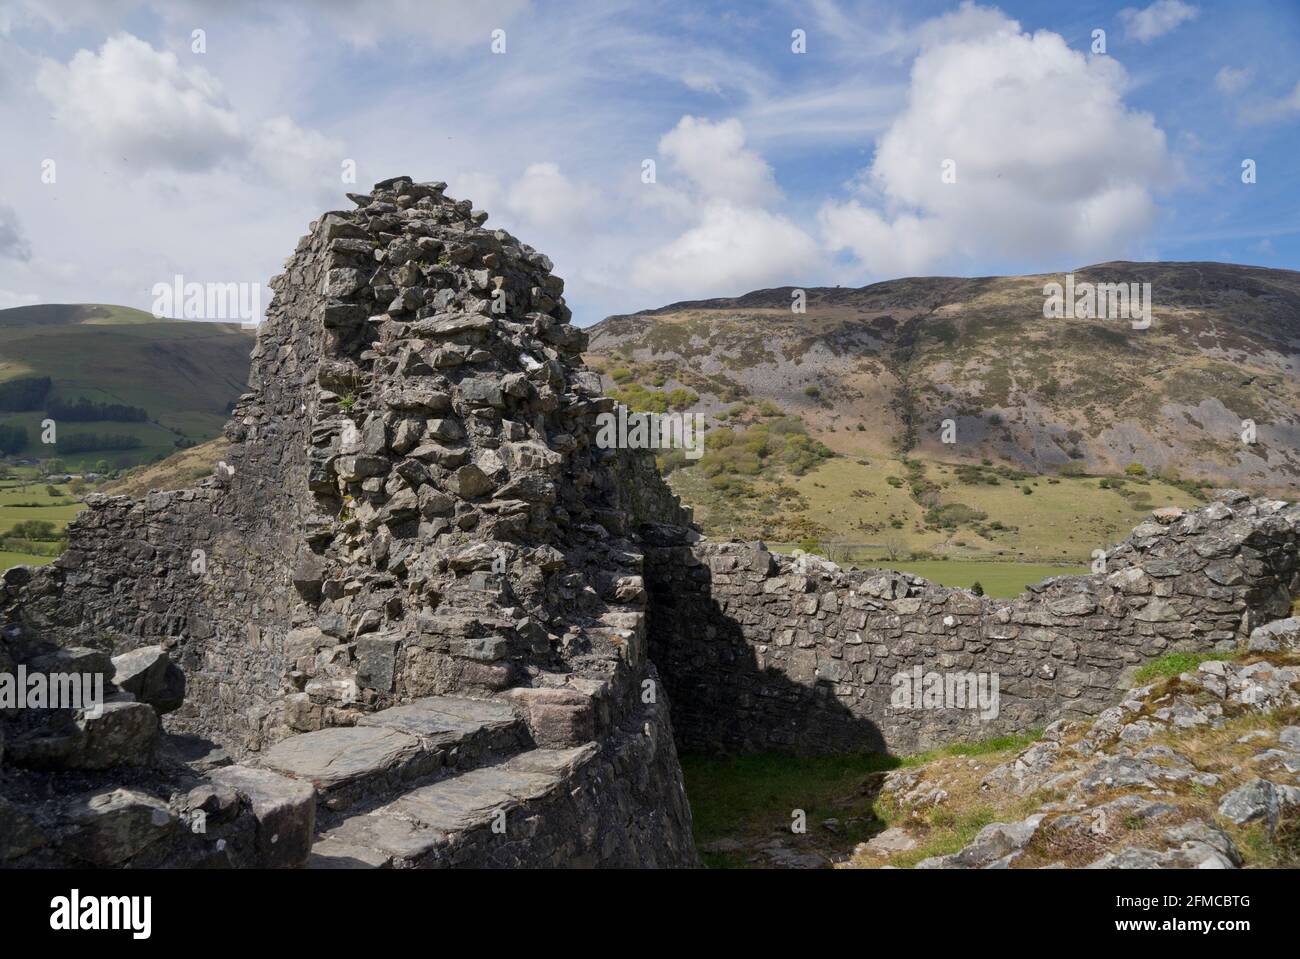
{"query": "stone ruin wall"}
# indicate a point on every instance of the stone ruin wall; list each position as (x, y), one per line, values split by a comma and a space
(765, 652)
(129, 577)
(412, 506)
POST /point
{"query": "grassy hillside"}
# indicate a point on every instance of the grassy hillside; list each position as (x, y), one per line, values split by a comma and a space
(895, 360)
(180, 379)
(176, 472)
(825, 428)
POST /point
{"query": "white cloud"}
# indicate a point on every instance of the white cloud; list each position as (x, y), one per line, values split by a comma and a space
(146, 107)
(290, 154)
(546, 197)
(1048, 160)
(731, 250)
(13, 242)
(702, 82)
(906, 245)
(731, 243)
(1156, 20)
(713, 156)
(141, 104)
(1231, 80)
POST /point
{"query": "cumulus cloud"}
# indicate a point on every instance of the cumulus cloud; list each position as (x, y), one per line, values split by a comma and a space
(713, 156)
(545, 196)
(289, 153)
(1045, 156)
(141, 104)
(542, 196)
(1156, 20)
(732, 243)
(732, 249)
(13, 242)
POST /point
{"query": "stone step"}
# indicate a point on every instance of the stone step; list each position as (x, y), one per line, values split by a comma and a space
(389, 750)
(452, 820)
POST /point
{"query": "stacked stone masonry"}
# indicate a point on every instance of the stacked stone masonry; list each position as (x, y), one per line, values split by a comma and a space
(418, 618)
(413, 511)
(761, 651)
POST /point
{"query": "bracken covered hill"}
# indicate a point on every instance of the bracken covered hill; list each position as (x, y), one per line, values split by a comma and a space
(901, 357)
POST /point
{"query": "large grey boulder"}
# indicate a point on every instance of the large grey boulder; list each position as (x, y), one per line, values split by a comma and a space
(996, 845)
(112, 827)
(1277, 635)
(285, 811)
(123, 734)
(149, 674)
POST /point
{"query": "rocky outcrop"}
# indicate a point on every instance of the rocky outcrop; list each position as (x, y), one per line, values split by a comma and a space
(763, 651)
(413, 513)
(1128, 791)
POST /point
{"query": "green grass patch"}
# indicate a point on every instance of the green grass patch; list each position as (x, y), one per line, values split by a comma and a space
(748, 797)
(1174, 664)
(1000, 580)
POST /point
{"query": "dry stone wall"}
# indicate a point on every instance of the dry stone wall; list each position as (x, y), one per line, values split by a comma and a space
(762, 651)
(413, 507)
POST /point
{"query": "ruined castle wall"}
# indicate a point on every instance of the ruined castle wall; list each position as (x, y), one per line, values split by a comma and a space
(321, 572)
(205, 571)
(765, 652)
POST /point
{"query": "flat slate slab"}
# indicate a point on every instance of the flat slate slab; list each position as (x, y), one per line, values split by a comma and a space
(342, 754)
(468, 800)
(372, 841)
(436, 716)
(285, 811)
(408, 828)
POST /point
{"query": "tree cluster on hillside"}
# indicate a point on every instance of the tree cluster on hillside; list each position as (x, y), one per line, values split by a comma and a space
(24, 393)
(84, 442)
(12, 439)
(83, 410)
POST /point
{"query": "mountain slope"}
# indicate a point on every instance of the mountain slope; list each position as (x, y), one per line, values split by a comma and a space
(1044, 395)
(169, 383)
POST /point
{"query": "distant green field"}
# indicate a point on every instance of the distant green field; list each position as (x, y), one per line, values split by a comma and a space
(58, 510)
(8, 559)
(1001, 580)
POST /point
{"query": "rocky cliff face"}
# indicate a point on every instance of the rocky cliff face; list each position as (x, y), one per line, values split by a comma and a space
(412, 513)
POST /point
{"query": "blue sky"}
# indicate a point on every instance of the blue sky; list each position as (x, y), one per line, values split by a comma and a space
(771, 167)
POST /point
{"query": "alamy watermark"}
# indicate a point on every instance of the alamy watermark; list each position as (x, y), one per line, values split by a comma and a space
(1092, 301)
(917, 689)
(180, 300)
(23, 690)
(625, 430)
